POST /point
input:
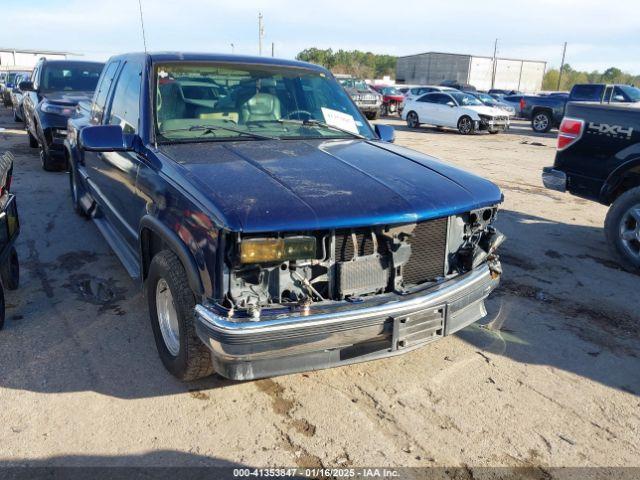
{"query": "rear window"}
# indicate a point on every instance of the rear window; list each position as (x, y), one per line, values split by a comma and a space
(586, 93)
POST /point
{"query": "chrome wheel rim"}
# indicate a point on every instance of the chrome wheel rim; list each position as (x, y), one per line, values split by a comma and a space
(465, 125)
(540, 122)
(167, 317)
(413, 120)
(630, 231)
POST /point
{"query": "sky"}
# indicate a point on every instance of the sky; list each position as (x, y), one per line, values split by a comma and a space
(599, 34)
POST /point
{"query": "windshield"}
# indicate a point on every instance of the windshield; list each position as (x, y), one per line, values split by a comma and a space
(486, 98)
(390, 91)
(357, 84)
(632, 92)
(464, 99)
(71, 76)
(210, 102)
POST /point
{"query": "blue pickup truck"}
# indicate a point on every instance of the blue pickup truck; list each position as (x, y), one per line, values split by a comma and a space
(547, 111)
(273, 229)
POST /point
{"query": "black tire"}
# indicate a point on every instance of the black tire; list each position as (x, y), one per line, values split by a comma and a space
(193, 359)
(494, 132)
(384, 110)
(15, 116)
(33, 141)
(413, 121)
(465, 125)
(10, 271)
(541, 122)
(75, 192)
(373, 115)
(2, 311)
(48, 165)
(619, 220)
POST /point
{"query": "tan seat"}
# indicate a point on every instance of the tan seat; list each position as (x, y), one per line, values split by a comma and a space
(260, 107)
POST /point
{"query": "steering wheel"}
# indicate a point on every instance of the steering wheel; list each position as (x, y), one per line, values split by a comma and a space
(298, 112)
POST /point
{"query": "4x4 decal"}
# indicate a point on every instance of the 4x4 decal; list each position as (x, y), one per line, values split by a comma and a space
(614, 131)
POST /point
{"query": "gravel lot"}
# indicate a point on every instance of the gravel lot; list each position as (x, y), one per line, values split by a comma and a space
(550, 378)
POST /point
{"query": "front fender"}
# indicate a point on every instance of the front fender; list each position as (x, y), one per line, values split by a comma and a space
(177, 246)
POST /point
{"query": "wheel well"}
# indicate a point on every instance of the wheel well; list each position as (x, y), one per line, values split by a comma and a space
(539, 110)
(630, 179)
(150, 244)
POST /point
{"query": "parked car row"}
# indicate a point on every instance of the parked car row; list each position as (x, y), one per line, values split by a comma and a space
(272, 227)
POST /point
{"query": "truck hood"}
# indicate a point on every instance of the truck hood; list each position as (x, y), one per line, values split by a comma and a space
(295, 185)
(67, 98)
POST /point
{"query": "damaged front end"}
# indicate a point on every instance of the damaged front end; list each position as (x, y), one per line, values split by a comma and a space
(298, 271)
(311, 300)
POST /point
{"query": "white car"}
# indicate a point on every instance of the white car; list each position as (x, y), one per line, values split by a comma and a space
(418, 90)
(454, 109)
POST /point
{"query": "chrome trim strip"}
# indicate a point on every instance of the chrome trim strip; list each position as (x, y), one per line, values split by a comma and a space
(445, 292)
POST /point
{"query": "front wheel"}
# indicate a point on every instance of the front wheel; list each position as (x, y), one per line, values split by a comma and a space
(10, 271)
(465, 125)
(412, 120)
(373, 115)
(622, 228)
(541, 122)
(171, 310)
(33, 142)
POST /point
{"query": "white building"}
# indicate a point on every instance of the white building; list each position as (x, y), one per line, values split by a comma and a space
(20, 59)
(435, 67)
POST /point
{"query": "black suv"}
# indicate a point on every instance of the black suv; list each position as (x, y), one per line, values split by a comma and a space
(51, 97)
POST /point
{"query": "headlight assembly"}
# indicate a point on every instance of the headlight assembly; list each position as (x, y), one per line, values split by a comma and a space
(65, 110)
(268, 250)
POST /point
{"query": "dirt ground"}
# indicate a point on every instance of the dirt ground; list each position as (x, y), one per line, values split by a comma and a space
(550, 378)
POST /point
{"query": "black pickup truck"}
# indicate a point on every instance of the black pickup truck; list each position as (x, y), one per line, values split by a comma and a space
(546, 111)
(598, 158)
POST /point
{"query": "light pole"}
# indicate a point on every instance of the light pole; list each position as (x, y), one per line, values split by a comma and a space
(233, 48)
(260, 33)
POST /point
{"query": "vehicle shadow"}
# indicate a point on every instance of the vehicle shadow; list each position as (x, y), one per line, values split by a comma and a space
(552, 306)
(158, 464)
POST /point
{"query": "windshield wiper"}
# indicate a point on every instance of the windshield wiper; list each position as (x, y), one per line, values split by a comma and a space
(206, 129)
(312, 122)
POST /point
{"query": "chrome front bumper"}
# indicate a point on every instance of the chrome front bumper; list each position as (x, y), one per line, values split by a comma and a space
(342, 333)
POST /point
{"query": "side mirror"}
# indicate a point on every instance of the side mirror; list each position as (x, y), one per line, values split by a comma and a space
(451, 104)
(386, 133)
(105, 138)
(26, 86)
(619, 98)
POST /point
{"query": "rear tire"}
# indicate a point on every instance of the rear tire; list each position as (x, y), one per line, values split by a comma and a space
(413, 121)
(541, 122)
(172, 302)
(622, 229)
(465, 125)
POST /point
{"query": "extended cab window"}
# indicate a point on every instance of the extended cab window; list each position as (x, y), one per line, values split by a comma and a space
(100, 97)
(125, 106)
(586, 93)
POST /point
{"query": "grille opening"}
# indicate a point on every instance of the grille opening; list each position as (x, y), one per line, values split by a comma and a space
(345, 248)
(428, 244)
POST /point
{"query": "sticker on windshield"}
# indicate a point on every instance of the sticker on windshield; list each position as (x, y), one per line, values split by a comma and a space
(340, 120)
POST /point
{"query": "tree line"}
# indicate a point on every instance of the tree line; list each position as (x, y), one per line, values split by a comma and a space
(372, 65)
(353, 62)
(570, 77)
